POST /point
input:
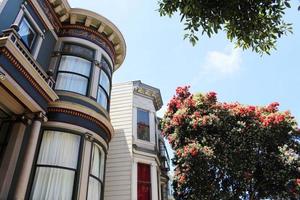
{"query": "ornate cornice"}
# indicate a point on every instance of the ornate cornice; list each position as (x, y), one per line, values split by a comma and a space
(21, 69)
(149, 91)
(81, 115)
(62, 16)
(91, 35)
(51, 15)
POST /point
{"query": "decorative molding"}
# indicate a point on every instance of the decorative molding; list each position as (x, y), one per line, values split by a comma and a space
(89, 137)
(91, 35)
(149, 91)
(38, 13)
(82, 115)
(50, 13)
(21, 69)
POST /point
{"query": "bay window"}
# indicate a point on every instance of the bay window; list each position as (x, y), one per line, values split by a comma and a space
(143, 131)
(144, 182)
(96, 174)
(27, 33)
(104, 84)
(74, 69)
(57, 166)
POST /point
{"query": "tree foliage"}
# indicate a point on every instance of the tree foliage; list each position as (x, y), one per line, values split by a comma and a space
(231, 151)
(254, 24)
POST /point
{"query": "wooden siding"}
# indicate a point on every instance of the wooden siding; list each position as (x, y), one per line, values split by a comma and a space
(119, 159)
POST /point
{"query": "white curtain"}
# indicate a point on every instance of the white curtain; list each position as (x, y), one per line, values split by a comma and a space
(52, 183)
(72, 82)
(75, 64)
(101, 98)
(104, 81)
(97, 169)
(57, 149)
(94, 191)
(97, 164)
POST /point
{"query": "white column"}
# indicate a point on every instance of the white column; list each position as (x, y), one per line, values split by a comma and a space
(159, 186)
(152, 127)
(85, 168)
(9, 162)
(28, 159)
(154, 182)
(134, 181)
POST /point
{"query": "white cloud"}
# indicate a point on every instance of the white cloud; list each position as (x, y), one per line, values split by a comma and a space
(219, 64)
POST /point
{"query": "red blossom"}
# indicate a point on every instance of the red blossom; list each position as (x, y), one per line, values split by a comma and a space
(183, 92)
(194, 151)
(273, 107)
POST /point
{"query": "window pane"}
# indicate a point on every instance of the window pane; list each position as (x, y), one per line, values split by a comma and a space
(75, 64)
(97, 163)
(105, 65)
(94, 191)
(102, 98)
(52, 183)
(71, 82)
(80, 50)
(143, 131)
(26, 32)
(143, 116)
(104, 82)
(59, 149)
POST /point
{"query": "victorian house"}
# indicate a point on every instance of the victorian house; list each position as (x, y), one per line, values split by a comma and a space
(138, 162)
(56, 67)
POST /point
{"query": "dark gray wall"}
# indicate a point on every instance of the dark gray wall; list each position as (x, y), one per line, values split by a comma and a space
(9, 13)
(46, 50)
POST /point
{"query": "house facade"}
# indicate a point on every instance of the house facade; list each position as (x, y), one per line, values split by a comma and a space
(138, 162)
(56, 67)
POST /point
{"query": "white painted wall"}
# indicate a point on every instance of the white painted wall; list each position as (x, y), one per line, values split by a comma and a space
(121, 165)
(119, 159)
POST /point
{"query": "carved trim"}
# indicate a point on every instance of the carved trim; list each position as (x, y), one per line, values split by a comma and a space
(38, 14)
(48, 10)
(20, 68)
(91, 35)
(82, 115)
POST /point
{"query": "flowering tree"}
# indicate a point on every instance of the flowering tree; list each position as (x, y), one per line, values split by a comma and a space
(231, 151)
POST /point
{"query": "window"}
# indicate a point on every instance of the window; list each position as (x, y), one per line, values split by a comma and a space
(56, 166)
(74, 69)
(96, 174)
(144, 182)
(27, 33)
(143, 132)
(104, 84)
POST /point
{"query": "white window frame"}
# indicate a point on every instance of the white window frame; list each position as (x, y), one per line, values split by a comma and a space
(40, 35)
(153, 175)
(143, 143)
(2, 4)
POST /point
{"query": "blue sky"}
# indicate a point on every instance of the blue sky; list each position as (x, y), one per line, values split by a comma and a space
(158, 55)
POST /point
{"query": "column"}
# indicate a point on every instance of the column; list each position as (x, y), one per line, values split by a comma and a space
(11, 155)
(85, 167)
(26, 165)
(154, 186)
(134, 179)
(159, 186)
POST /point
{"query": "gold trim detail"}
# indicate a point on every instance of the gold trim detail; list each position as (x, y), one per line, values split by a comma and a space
(82, 115)
(20, 68)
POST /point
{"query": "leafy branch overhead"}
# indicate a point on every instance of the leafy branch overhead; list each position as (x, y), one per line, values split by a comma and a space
(255, 25)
